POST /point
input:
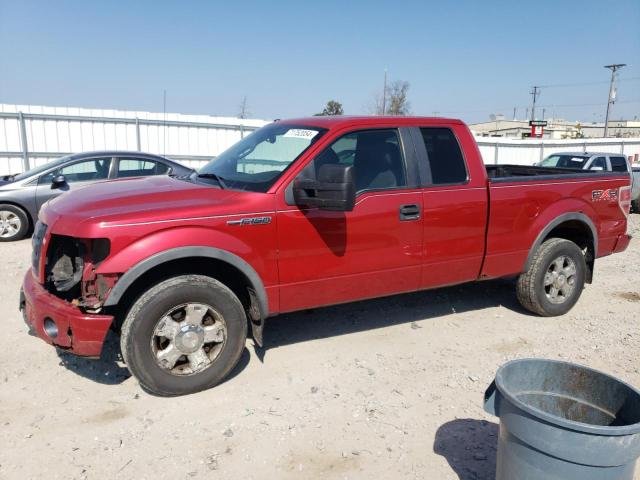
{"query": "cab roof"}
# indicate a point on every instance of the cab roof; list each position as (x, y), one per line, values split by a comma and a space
(337, 121)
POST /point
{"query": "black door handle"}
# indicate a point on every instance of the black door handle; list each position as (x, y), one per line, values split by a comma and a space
(409, 212)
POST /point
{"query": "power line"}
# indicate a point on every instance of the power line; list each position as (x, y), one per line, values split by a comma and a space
(585, 84)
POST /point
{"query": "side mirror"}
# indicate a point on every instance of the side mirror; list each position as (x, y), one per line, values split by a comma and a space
(58, 181)
(334, 190)
(596, 169)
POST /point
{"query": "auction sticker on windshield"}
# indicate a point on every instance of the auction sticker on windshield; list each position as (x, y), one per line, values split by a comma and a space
(301, 133)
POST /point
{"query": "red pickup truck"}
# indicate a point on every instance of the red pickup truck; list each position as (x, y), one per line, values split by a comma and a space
(300, 214)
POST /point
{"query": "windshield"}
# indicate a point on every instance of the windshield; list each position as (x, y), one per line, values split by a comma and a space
(564, 161)
(256, 162)
(38, 170)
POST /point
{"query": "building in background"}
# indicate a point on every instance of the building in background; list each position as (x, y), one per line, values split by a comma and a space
(555, 129)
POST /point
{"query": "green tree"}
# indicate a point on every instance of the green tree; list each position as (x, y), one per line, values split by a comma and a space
(332, 108)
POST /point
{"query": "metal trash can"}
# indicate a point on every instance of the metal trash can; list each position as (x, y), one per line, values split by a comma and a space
(560, 421)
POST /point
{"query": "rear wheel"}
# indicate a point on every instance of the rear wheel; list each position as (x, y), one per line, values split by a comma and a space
(184, 335)
(14, 223)
(555, 279)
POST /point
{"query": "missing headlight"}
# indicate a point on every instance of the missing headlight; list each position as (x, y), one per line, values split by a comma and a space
(65, 263)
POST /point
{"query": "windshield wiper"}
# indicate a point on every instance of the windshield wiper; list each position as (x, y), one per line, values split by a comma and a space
(217, 178)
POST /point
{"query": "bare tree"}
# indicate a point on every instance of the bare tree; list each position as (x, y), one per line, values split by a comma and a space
(395, 100)
(398, 98)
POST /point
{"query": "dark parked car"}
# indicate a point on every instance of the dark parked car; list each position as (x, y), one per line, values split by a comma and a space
(22, 195)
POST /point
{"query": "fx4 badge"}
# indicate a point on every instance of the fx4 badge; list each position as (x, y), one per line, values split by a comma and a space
(604, 195)
(250, 221)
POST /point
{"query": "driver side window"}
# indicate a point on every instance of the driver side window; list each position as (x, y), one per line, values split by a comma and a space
(375, 155)
(83, 171)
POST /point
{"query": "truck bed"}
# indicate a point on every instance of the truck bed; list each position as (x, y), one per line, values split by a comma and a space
(511, 173)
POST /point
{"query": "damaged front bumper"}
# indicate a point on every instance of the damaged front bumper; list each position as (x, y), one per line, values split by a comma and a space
(60, 323)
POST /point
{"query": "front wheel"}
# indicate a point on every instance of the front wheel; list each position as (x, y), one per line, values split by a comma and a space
(183, 335)
(555, 279)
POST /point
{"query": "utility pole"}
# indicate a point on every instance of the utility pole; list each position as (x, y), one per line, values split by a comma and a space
(515, 109)
(384, 93)
(535, 92)
(612, 93)
(243, 108)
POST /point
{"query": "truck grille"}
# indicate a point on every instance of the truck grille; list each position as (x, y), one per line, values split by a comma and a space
(36, 243)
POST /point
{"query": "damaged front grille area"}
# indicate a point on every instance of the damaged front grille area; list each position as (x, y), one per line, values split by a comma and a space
(70, 267)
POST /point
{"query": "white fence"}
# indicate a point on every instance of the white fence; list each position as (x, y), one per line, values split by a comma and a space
(32, 135)
(496, 150)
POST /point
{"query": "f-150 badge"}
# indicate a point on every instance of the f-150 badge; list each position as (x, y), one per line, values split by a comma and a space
(250, 221)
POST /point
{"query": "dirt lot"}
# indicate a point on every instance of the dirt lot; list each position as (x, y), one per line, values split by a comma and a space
(390, 388)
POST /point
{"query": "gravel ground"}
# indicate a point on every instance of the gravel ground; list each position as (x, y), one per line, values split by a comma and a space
(390, 388)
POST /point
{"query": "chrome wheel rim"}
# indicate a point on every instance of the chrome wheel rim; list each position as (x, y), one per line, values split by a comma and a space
(188, 338)
(560, 279)
(9, 224)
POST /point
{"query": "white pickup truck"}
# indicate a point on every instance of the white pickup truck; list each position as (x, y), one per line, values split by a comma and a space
(598, 161)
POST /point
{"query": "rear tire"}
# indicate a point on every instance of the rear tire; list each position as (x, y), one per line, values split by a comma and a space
(635, 206)
(183, 335)
(14, 223)
(555, 279)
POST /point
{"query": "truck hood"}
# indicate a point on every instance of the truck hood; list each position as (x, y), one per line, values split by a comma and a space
(139, 200)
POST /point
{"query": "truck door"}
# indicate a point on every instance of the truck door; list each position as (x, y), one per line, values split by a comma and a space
(332, 257)
(455, 208)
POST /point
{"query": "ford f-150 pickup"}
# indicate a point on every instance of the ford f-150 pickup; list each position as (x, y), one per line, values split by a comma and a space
(300, 214)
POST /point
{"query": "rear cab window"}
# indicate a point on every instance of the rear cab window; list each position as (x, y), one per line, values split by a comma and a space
(444, 156)
(619, 164)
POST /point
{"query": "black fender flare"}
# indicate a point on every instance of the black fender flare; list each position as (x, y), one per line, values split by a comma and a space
(565, 217)
(147, 264)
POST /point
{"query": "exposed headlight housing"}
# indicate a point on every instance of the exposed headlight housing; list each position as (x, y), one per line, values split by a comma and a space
(67, 258)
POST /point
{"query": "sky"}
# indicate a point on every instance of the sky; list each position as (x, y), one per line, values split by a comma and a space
(464, 59)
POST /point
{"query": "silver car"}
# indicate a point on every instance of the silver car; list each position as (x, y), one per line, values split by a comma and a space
(22, 195)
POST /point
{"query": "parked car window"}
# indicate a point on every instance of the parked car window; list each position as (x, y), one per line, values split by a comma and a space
(84, 171)
(599, 162)
(375, 155)
(565, 161)
(618, 164)
(136, 167)
(445, 157)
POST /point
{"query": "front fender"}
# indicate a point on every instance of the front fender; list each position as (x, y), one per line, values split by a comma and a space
(183, 242)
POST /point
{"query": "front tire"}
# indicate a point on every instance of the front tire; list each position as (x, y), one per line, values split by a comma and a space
(14, 223)
(183, 335)
(555, 279)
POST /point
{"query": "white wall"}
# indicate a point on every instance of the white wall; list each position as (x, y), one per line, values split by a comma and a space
(202, 137)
